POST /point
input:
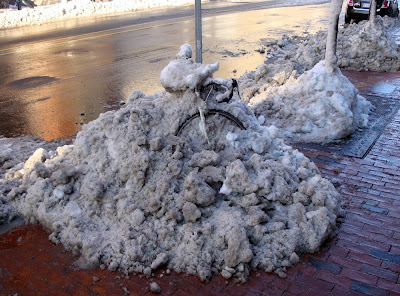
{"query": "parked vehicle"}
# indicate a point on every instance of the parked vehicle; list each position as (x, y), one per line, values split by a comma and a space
(20, 3)
(359, 9)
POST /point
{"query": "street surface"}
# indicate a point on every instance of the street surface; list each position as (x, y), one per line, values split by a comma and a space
(56, 77)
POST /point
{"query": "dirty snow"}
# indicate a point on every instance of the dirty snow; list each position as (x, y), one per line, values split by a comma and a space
(362, 47)
(318, 105)
(130, 195)
(294, 92)
(13, 153)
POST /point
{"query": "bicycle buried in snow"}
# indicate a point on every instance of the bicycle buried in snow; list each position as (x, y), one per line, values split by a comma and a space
(208, 128)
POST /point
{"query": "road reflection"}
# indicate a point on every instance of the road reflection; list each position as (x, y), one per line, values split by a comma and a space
(50, 88)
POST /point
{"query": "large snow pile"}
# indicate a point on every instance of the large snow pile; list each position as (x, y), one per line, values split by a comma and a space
(133, 196)
(362, 47)
(319, 106)
(15, 18)
(293, 91)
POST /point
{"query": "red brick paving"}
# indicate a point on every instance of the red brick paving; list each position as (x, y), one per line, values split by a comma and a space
(363, 259)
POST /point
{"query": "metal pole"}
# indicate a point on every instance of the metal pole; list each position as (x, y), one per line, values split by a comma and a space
(199, 39)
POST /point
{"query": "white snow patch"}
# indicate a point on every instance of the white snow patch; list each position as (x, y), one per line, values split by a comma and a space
(76, 8)
(183, 73)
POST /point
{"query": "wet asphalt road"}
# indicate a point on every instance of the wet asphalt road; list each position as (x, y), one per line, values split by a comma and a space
(56, 77)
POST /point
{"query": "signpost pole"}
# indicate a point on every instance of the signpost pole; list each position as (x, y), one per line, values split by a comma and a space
(199, 38)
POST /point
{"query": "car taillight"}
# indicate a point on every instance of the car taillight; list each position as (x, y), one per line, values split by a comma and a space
(350, 2)
(385, 4)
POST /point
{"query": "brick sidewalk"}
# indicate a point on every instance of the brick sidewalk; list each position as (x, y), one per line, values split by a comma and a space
(364, 258)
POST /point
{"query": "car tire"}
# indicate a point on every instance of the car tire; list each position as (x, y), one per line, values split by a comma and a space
(390, 12)
(347, 16)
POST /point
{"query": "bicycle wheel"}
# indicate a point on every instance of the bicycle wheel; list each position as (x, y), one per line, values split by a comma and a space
(218, 124)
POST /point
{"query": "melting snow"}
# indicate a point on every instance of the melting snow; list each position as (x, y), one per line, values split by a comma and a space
(132, 196)
(319, 106)
(293, 91)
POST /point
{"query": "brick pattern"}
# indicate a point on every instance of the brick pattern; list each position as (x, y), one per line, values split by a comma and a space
(363, 259)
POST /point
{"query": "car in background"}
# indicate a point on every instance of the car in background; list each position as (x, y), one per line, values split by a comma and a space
(359, 9)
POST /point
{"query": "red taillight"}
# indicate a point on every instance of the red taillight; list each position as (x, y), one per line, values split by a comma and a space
(385, 4)
(350, 2)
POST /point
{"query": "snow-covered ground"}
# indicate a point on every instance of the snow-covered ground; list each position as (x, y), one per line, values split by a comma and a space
(12, 17)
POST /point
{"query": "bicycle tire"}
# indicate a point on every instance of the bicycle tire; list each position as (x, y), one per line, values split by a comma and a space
(225, 114)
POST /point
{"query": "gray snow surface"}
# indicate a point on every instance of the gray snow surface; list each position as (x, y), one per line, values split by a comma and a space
(363, 46)
(13, 153)
(132, 196)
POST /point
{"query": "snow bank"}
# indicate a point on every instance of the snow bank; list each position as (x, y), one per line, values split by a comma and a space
(373, 49)
(362, 47)
(133, 196)
(319, 106)
(76, 8)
